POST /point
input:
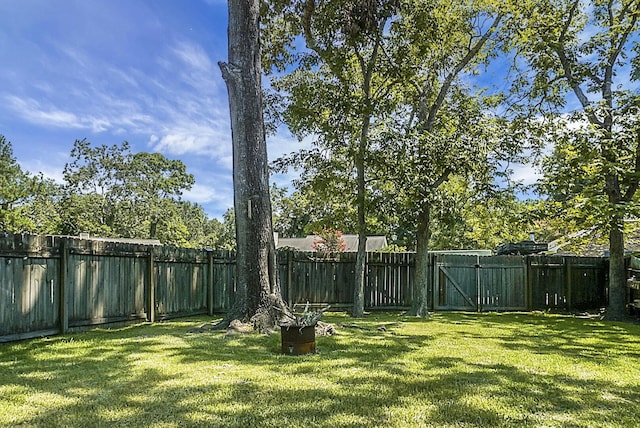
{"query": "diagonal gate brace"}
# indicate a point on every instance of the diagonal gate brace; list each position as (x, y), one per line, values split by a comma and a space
(457, 286)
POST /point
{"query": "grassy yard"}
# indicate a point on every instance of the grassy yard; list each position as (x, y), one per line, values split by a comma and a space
(451, 370)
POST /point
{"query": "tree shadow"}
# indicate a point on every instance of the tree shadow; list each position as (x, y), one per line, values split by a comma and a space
(360, 377)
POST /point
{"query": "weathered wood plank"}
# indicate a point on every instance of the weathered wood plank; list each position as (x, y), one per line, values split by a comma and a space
(8, 311)
(151, 288)
(63, 287)
(5, 298)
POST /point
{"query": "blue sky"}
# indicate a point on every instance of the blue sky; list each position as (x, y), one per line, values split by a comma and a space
(120, 70)
(142, 71)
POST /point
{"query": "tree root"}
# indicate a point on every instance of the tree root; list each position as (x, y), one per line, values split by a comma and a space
(325, 329)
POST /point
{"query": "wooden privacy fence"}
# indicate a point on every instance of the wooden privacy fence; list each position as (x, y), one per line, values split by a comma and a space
(315, 278)
(54, 284)
(457, 282)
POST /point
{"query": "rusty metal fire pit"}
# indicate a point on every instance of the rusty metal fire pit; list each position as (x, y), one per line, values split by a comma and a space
(298, 340)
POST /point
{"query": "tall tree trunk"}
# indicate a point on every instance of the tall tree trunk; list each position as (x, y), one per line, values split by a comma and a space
(420, 297)
(258, 289)
(361, 258)
(617, 273)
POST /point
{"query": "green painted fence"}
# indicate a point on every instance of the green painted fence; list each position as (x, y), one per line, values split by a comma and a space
(52, 284)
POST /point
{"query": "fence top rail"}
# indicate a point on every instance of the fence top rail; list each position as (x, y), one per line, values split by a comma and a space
(49, 246)
(18, 245)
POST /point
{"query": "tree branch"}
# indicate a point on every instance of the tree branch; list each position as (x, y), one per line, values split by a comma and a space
(443, 177)
(625, 34)
(230, 72)
(444, 89)
(634, 182)
(567, 67)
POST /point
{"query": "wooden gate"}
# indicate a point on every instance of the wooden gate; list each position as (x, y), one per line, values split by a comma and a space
(480, 283)
(456, 283)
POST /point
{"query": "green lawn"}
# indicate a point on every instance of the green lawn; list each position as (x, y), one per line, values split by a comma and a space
(451, 370)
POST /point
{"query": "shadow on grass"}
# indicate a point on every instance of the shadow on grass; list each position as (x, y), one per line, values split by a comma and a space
(556, 334)
(404, 376)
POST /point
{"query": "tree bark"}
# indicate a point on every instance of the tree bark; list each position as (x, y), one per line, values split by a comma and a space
(257, 286)
(420, 297)
(617, 273)
(360, 274)
(616, 310)
(361, 258)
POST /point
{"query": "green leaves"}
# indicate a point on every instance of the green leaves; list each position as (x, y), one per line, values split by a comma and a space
(109, 192)
(388, 106)
(591, 54)
(112, 192)
(14, 183)
(595, 178)
(26, 202)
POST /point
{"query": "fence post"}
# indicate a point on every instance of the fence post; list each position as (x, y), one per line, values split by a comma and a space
(435, 283)
(289, 278)
(151, 294)
(479, 292)
(528, 291)
(568, 282)
(210, 276)
(431, 268)
(63, 310)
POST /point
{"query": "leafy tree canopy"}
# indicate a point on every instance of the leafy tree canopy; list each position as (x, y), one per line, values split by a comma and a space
(26, 201)
(110, 191)
(588, 49)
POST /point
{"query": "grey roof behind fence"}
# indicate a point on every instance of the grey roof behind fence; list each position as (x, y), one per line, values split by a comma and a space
(351, 242)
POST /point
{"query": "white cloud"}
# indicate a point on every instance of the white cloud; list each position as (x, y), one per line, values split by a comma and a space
(107, 117)
(130, 73)
(200, 194)
(179, 143)
(526, 174)
(202, 137)
(100, 97)
(31, 110)
(193, 56)
(209, 195)
(80, 59)
(203, 194)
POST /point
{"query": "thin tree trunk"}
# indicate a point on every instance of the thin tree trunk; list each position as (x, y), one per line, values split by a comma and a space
(360, 274)
(258, 289)
(153, 228)
(361, 257)
(420, 298)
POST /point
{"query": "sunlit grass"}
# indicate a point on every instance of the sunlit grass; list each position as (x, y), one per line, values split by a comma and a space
(455, 369)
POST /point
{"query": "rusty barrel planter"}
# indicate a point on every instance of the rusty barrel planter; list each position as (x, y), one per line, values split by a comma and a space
(298, 340)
